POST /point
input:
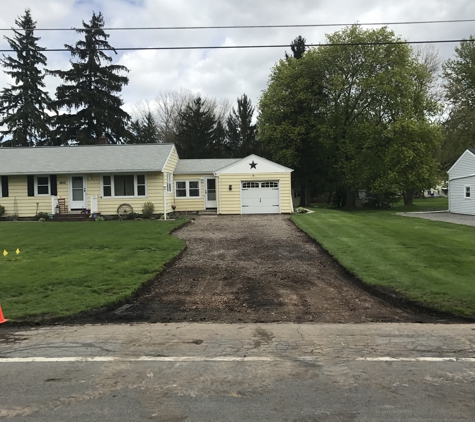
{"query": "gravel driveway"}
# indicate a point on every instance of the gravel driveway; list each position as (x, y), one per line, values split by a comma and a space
(254, 269)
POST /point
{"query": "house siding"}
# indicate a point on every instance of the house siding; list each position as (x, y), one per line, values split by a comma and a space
(29, 206)
(189, 204)
(19, 203)
(457, 201)
(464, 166)
(169, 167)
(462, 174)
(230, 200)
(108, 206)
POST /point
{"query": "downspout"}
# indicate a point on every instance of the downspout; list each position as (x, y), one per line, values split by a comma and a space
(165, 201)
(218, 193)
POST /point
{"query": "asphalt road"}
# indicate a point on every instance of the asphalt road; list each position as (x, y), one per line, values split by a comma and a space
(238, 372)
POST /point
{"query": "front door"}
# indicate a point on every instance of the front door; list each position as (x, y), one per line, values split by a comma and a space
(210, 192)
(77, 193)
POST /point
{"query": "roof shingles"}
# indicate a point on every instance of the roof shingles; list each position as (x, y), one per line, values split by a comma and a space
(84, 159)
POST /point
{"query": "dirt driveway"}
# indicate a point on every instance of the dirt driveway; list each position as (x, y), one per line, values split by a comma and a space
(255, 269)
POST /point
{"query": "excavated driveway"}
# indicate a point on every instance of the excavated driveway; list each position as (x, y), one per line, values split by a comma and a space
(256, 269)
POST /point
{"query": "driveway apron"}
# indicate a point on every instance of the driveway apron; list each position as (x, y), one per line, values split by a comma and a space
(257, 268)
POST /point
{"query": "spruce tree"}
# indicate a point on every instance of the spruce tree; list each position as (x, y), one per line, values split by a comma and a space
(90, 89)
(240, 131)
(24, 103)
(145, 130)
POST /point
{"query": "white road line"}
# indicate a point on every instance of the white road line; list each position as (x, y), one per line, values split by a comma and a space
(223, 359)
(417, 359)
(140, 359)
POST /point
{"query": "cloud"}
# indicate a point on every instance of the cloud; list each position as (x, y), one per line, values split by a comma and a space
(221, 73)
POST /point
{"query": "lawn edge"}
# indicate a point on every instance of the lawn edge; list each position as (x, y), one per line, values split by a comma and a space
(92, 314)
(391, 295)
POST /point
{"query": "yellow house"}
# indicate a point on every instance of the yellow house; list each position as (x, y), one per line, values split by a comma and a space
(111, 179)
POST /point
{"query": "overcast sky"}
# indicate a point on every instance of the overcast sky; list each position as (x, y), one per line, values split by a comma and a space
(221, 73)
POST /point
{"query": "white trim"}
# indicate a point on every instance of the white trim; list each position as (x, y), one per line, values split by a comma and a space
(465, 191)
(187, 189)
(462, 177)
(70, 192)
(112, 195)
(36, 185)
(209, 204)
(169, 182)
(254, 157)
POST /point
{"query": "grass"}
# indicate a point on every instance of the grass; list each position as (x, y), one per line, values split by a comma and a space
(427, 261)
(65, 268)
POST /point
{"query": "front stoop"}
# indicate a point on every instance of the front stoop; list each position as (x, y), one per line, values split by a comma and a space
(208, 212)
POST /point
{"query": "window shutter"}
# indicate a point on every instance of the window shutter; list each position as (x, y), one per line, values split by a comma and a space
(4, 186)
(54, 184)
(31, 185)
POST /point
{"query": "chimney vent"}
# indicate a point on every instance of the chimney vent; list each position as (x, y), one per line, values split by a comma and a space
(103, 140)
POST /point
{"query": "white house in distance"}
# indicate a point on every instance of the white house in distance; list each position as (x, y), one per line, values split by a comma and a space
(103, 178)
(462, 184)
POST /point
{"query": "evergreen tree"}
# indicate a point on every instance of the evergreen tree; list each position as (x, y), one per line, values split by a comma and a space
(198, 133)
(145, 130)
(23, 105)
(89, 91)
(240, 131)
(298, 47)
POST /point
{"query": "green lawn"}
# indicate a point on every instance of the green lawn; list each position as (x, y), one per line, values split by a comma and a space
(430, 262)
(64, 268)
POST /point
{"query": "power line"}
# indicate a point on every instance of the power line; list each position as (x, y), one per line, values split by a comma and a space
(231, 47)
(317, 25)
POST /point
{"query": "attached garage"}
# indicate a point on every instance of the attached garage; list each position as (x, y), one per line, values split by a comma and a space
(254, 185)
(260, 197)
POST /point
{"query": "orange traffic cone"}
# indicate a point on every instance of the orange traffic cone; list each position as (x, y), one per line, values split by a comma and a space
(2, 319)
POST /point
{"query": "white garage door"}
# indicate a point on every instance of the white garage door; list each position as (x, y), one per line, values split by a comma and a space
(260, 197)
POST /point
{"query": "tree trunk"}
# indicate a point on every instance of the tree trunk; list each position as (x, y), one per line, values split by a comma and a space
(408, 196)
(303, 195)
(350, 199)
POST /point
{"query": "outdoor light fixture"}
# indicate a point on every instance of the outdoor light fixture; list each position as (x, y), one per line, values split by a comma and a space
(230, 187)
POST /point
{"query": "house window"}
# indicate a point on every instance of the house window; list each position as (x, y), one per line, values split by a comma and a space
(187, 189)
(467, 192)
(140, 185)
(247, 185)
(42, 185)
(169, 182)
(124, 185)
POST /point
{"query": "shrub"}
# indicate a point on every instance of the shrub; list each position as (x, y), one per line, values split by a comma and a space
(383, 200)
(2, 210)
(41, 215)
(133, 216)
(301, 210)
(100, 218)
(147, 209)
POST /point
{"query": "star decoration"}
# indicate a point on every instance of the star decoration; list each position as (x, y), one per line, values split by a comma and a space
(253, 165)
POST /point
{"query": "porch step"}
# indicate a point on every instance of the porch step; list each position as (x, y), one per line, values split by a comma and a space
(208, 212)
(72, 217)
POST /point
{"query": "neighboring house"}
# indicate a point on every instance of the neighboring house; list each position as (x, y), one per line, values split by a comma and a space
(99, 178)
(462, 184)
